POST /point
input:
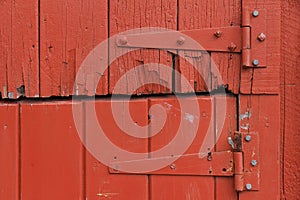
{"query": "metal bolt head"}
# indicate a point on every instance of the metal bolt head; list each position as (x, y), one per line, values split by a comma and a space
(255, 62)
(248, 138)
(218, 34)
(248, 186)
(253, 163)
(123, 40)
(261, 37)
(232, 46)
(173, 166)
(255, 13)
(180, 40)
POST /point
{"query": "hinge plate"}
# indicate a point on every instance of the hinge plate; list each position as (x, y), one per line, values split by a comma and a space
(214, 164)
(254, 38)
(248, 175)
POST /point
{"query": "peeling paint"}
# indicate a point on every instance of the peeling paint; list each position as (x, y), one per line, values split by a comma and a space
(245, 127)
(189, 117)
(246, 115)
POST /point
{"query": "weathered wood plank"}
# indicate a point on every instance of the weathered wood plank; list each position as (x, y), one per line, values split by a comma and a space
(5, 45)
(9, 151)
(52, 153)
(69, 31)
(19, 49)
(198, 14)
(224, 186)
(99, 183)
(262, 117)
(130, 14)
(290, 90)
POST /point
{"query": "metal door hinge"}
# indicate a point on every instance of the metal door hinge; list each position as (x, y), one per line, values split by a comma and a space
(242, 163)
(254, 38)
(249, 39)
(246, 161)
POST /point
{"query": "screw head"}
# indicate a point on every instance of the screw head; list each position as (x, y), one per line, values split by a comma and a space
(248, 186)
(180, 40)
(253, 163)
(255, 13)
(255, 62)
(261, 37)
(248, 138)
(218, 34)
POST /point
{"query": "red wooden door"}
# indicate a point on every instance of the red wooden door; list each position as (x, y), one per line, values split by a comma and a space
(48, 153)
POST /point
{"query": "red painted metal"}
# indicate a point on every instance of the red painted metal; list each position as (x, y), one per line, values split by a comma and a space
(183, 40)
(218, 164)
(253, 49)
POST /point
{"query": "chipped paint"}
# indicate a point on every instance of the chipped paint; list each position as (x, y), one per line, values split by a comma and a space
(246, 115)
(10, 95)
(107, 195)
(245, 126)
(189, 117)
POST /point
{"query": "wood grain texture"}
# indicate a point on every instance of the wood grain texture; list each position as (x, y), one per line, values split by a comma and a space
(290, 90)
(69, 31)
(262, 117)
(130, 14)
(51, 152)
(198, 14)
(19, 49)
(9, 151)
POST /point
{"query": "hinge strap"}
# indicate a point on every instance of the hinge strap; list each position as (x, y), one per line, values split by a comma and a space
(222, 39)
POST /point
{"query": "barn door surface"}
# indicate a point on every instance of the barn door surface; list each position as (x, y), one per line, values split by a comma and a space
(188, 101)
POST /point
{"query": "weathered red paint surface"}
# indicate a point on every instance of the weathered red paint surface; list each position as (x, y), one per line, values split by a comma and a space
(99, 183)
(51, 152)
(19, 49)
(69, 30)
(42, 44)
(290, 96)
(9, 151)
(263, 117)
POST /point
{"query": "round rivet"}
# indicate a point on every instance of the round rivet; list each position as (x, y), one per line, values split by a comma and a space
(218, 34)
(248, 138)
(123, 40)
(255, 62)
(248, 186)
(253, 163)
(255, 13)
